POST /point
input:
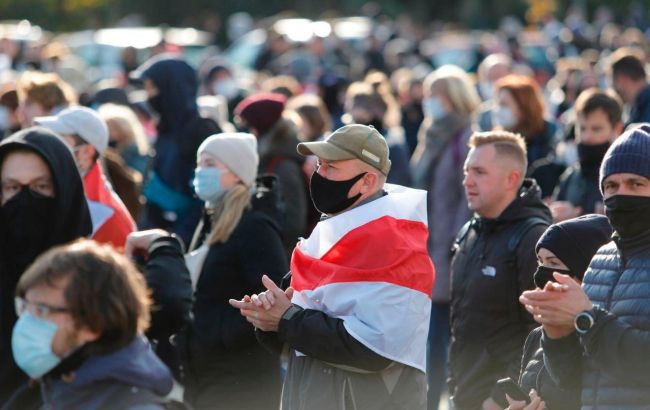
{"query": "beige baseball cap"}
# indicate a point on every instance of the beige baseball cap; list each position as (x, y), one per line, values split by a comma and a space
(353, 141)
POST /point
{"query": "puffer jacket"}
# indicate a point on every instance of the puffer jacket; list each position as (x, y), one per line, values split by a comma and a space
(611, 357)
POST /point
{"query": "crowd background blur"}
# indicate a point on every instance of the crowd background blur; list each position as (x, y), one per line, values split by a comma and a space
(164, 76)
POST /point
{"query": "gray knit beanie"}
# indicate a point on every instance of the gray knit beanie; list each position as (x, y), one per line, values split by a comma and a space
(630, 153)
(238, 151)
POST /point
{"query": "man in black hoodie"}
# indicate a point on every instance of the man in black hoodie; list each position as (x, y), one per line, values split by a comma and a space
(494, 262)
(42, 204)
(171, 85)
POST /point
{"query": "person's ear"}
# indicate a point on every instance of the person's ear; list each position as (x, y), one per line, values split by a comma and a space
(368, 183)
(513, 180)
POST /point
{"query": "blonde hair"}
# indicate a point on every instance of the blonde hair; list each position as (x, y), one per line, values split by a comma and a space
(46, 89)
(227, 214)
(506, 144)
(457, 86)
(125, 121)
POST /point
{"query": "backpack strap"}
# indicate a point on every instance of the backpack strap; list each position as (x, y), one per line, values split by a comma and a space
(523, 228)
(462, 234)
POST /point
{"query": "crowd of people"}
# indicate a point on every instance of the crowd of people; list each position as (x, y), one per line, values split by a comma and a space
(333, 232)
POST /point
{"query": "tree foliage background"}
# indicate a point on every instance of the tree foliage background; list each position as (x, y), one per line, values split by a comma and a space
(64, 15)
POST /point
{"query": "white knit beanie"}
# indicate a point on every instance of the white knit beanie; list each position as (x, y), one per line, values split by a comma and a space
(238, 151)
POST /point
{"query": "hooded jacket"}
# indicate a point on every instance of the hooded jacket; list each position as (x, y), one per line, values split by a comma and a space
(180, 132)
(132, 377)
(488, 325)
(70, 220)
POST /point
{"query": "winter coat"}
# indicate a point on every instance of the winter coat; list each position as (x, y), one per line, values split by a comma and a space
(488, 324)
(70, 221)
(278, 155)
(610, 358)
(130, 378)
(534, 375)
(180, 132)
(438, 168)
(580, 188)
(640, 111)
(223, 361)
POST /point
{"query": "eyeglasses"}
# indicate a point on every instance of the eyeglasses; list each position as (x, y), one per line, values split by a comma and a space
(37, 308)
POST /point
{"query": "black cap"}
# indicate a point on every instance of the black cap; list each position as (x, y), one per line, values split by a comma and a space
(576, 241)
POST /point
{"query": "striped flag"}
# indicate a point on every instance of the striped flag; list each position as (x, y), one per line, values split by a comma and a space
(369, 266)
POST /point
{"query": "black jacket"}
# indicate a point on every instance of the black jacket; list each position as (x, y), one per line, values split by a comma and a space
(534, 375)
(224, 363)
(640, 111)
(278, 155)
(488, 324)
(580, 188)
(171, 288)
(611, 359)
(70, 221)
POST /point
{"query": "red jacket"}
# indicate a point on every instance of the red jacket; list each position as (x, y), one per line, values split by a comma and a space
(112, 223)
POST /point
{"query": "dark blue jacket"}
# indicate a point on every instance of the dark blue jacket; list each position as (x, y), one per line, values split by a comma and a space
(133, 376)
(611, 359)
(180, 132)
(640, 111)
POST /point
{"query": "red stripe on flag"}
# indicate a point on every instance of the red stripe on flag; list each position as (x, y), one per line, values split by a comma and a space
(383, 250)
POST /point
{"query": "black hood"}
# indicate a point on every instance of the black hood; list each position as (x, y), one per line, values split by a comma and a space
(72, 218)
(527, 204)
(177, 84)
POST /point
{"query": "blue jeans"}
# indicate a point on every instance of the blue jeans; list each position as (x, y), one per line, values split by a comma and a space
(437, 352)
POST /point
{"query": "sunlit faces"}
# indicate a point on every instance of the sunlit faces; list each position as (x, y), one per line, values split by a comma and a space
(228, 178)
(68, 336)
(24, 168)
(348, 169)
(595, 128)
(626, 184)
(548, 259)
(490, 181)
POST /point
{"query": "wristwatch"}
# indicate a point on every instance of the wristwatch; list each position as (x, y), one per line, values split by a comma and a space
(586, 320)
(289, 313)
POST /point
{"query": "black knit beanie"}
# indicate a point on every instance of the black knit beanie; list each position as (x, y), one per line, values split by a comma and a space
(629, 153)
(575, 241)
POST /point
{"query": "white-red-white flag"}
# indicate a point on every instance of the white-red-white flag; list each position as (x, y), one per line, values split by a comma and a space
(369, 266)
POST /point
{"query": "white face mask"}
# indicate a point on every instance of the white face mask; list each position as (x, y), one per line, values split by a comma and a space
(433, 108)
(227, 88)
(504, 117)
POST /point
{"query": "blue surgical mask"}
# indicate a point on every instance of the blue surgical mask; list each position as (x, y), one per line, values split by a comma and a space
(31, 343)
(486, 90)
(207, 184)
(433, 108)
(504, 117)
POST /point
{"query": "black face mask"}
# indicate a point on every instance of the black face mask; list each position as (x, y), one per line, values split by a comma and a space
(331, 197)
(544, 274)
(591, 156)
(155, 103)
(628, 214)
(25, 218)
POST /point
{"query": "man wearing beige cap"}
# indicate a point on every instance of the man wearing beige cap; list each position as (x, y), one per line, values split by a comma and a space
(87, 135)
(356, 316)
